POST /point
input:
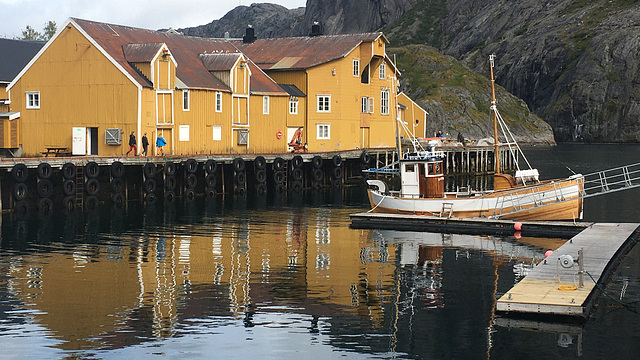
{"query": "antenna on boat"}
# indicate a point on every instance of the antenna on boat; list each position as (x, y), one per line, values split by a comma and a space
(495, 116)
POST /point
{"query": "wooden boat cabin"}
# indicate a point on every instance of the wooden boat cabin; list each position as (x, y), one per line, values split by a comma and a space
(422, 175)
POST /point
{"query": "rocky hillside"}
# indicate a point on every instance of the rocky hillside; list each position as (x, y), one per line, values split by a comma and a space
(268, 20)
(458, 99)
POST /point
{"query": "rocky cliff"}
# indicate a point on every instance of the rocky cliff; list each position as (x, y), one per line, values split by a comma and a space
(575, 63)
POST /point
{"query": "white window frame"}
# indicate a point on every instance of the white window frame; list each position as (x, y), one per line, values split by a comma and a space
(186, 100)
(218, 101)
(356, 67)
(293, 105)
(364, 104)
(384, 102)
(33, 99)
(217, 132)
(382, 71)
(323, 131)
(323, 103)
(265, 105)
(371, 108)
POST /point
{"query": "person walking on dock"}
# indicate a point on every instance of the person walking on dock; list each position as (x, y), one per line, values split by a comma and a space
(145, 145)
(132, 144)
(160, 142)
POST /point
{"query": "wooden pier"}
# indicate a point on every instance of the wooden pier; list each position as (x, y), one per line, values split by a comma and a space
(561, 229)
(553, 286)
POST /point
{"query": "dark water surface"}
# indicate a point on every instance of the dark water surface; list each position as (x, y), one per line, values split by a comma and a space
(286, 278)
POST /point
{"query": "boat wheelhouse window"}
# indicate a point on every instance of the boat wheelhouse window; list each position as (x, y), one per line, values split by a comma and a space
(409, 168)
(430, 169)
(437, 171)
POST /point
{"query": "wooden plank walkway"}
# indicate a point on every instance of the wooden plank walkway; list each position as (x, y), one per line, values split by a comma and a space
(552, 289)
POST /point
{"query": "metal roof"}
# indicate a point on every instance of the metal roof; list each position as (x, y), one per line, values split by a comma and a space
(220, 61)
(14, 55)
(292, 90)
(303, 52)
(186, 50)
(137, 53)
(9, 115)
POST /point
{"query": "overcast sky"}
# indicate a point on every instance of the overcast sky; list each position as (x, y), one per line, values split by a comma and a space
(148, 14)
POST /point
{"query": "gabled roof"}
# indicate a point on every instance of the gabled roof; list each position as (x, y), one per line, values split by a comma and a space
(303, 52)
(14, 55)
(124, 45)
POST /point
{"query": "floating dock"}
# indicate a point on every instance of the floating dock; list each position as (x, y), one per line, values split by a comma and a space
(562, 229)
(553, 286)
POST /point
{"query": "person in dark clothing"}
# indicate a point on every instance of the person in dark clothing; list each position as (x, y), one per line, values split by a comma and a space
(132, 144)
(145, 144)
(460, 138)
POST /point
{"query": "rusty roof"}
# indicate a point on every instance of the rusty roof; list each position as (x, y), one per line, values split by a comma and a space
(296, 53)
(220, 61)
(120, 42)
(141, 52)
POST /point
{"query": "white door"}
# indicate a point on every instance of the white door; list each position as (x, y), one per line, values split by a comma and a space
(79, 136)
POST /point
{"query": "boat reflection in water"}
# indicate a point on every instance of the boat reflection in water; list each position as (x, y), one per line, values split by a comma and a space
(239, 281)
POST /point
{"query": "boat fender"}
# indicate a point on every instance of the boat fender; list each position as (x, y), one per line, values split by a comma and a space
(517, 226)
(382, 188)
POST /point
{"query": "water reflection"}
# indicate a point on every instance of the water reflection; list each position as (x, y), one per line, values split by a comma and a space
(268, 280)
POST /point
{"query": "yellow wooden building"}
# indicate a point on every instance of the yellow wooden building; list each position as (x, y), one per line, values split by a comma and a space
(93, 84)
(349, 82)
(412, 116)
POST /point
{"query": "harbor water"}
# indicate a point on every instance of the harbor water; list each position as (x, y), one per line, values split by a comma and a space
(285, 277)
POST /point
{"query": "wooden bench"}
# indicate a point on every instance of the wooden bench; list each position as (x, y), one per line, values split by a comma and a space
(57, 151)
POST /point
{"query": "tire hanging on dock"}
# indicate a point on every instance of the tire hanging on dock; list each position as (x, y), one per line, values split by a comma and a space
(20, 172)
(149, 170)
(296, 174)
(44, 170)
(69, 203)
(92, 186)
(259, 163)
(45, 206)
(170, 196)
(238, 165)
(169, 168)
(117, 169)
(44, 188)
(278, 164)
(192, 181)
(296, 186)
(261, 188)
(337, 160)
(118, 198)
(91, 203)
(117, 185)
(92, 169)
(170, 183)
(261, 176)
(69, 187)
(297, 161)
(20, 191)
(210, 166)
(69, 171)
(150, 186)
(317, 162)
(278, 177)
(191, 165)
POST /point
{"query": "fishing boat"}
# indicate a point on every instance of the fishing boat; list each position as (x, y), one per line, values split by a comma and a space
(521, 196)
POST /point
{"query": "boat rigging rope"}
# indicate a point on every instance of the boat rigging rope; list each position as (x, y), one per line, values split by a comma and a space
(625, 305)
(379, 202)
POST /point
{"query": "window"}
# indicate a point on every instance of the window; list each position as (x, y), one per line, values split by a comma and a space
(218, 101)
(356, 67)
(367, 105)
(323, 131)
(324, 103)
(185, 100)
(384, 102)
(217, 133)
(364, 79)
(382, 71)
(293, 105)
(33, 100)
(409, 168)
(265, 105)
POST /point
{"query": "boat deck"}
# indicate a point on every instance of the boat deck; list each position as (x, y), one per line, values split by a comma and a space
(553, 289)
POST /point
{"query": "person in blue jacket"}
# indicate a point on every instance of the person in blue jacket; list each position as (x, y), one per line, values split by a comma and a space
(160, 142)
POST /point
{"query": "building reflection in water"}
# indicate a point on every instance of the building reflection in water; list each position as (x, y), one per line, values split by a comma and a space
(136, 286)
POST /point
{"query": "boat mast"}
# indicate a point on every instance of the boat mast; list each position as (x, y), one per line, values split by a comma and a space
(496, 151)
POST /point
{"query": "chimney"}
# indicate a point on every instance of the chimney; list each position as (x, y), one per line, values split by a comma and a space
(249, 36)
(315, 29)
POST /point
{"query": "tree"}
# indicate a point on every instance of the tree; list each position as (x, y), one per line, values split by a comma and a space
(30, 34)
(49, 30)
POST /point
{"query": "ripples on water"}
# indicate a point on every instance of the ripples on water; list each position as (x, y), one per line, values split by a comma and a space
(282, 279)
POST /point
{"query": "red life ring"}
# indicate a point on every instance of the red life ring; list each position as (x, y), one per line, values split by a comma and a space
(279, 134)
